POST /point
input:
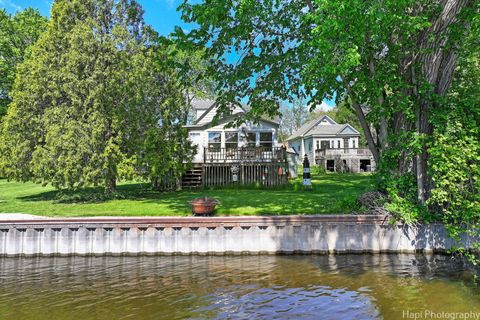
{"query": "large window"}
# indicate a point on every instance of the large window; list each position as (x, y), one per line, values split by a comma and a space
(231, 140)
(324, 144)
(266, 139)
(214, 140)
(251, 139)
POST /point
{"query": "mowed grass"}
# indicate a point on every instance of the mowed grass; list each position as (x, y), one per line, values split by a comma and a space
(332, 193)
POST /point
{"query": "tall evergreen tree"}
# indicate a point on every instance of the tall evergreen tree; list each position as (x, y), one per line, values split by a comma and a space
(17, 33)
(87, 99)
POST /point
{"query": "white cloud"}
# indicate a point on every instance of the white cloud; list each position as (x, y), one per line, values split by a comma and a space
(10, 4)
(170, 3)
(323, 107)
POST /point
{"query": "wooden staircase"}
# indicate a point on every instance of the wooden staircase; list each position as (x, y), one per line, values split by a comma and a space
(193, 177)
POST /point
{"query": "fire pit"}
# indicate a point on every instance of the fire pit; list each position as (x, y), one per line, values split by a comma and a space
(203, 206)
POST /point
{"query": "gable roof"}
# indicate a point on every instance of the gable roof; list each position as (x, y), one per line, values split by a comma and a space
(348, 129)
(209, 105)
(202, 104)
(303, 130)
(334, 129)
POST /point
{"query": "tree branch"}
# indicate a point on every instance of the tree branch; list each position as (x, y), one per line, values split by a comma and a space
(310, 6)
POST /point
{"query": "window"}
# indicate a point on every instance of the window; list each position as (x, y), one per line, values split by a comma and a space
(318, 145)
(353, 144)
(251, 139)
(266, 139)
(214, 140)
(325, 144)
(338, 144)
(231, 140)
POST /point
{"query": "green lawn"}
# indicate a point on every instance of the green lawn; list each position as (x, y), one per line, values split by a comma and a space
(332, 193)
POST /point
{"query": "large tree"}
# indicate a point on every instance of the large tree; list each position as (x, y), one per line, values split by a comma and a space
(88, 100)
(393, 60)
(17, 33)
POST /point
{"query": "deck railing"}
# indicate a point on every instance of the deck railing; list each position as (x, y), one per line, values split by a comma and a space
(246, 154)
(342, 151)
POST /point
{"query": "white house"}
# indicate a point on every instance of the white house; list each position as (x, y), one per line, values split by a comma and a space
(331, 145)
(221, 138)
(245, 154)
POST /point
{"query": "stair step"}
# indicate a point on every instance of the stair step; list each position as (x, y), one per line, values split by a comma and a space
(193, 177)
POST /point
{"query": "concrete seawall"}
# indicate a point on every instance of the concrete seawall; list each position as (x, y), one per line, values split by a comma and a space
(218, 235)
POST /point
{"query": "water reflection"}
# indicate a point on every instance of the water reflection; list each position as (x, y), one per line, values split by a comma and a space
(308, 287)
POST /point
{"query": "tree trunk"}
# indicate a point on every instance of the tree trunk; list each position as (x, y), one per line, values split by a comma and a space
(436, 61)
(110, 185)
(366, 129)
(154, 183)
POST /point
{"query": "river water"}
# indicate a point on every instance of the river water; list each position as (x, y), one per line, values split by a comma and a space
(238, 287)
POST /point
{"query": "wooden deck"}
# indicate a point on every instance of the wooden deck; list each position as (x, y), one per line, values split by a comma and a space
(247, 154)
(244, 166)
(345, 159)
(326, 153)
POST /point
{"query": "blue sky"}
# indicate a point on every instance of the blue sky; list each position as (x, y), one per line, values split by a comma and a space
(161, 14)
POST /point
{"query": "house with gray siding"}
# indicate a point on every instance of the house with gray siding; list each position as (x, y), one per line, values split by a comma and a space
(332, 146)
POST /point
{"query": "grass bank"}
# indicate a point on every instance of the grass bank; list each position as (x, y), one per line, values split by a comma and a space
(332, 193)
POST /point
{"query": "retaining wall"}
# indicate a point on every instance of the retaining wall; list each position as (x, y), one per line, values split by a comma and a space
(219, 235)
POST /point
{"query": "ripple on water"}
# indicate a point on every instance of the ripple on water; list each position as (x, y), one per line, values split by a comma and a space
(256, 287)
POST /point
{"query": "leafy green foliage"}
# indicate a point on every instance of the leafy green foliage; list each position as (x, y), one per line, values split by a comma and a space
(17, 33)
(295, 115)
(455, 151)
(93, 102)
(392, 61)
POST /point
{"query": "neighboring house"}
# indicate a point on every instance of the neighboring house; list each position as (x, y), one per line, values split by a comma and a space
(247, 153)
(331, 145)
